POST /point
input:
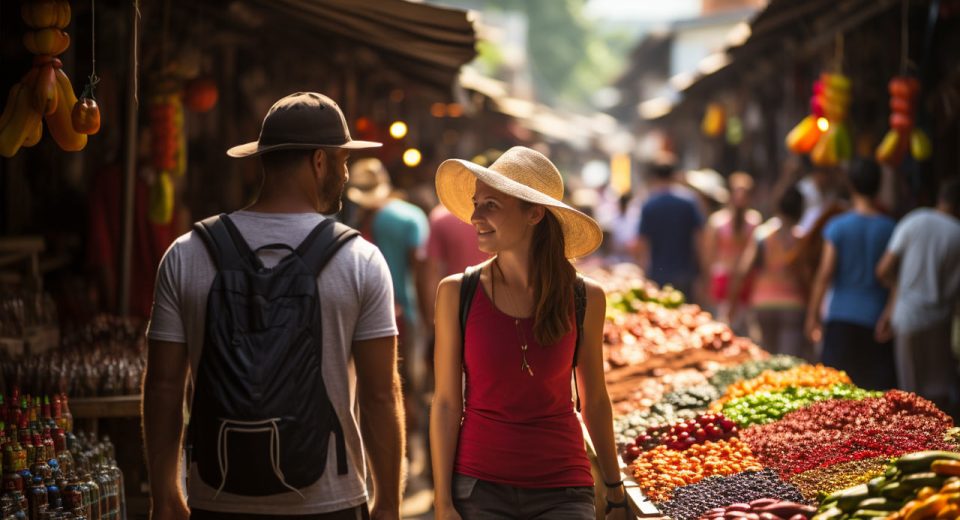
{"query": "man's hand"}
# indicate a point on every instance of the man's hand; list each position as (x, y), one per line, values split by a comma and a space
(813, 328)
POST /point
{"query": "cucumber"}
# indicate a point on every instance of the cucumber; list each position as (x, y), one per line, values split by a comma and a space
(876, 484)
(852, 497)
(921, 461)
(919, 480)
(880, 504)
(896, 491)
(833, 513)
(869, 513)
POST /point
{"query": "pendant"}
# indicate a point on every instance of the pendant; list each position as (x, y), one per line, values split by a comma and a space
(524, 366)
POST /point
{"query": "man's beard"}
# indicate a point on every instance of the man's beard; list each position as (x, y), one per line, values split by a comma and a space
(331, 190)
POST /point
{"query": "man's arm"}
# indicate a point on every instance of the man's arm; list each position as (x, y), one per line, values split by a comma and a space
(381, 420)
(887, 268)
(163, 389)
(828, 264)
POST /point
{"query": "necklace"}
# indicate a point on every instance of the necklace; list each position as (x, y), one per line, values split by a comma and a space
(524, 365)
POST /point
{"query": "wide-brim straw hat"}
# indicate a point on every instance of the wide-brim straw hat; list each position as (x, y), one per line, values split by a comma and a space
(527, 175)
(369, 185)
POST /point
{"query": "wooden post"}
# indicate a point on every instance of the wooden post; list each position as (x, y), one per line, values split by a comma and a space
(130, 163)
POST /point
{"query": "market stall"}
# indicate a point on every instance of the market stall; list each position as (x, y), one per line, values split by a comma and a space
(711, 426)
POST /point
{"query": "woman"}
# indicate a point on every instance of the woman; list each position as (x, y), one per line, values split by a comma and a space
(779, 296)
(727, 234)
(510, 445)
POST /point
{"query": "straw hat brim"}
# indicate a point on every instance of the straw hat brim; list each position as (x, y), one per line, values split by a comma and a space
(582, 235)
(371, 198)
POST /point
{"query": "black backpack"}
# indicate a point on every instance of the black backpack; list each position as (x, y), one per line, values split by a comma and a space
(468, 287)
(261, 420)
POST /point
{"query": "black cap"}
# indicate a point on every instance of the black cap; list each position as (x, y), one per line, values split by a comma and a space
(304, 121)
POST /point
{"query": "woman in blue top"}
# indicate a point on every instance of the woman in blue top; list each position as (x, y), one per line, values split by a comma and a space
(857, 337)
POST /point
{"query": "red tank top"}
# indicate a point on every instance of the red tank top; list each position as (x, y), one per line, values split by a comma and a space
(517, 429)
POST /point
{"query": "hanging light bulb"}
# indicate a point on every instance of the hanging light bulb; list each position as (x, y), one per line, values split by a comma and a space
(412, 157)
(398, 129)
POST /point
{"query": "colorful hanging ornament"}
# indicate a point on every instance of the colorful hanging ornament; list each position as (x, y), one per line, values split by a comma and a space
(834, 144)
(714, 120)
(903, 135)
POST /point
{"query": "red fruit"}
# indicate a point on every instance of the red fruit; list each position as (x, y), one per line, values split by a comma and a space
(727, 424)
(683, 435)
(700, 434)
(634, 451)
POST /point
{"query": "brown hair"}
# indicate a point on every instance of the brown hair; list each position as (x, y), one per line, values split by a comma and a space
(553, 278)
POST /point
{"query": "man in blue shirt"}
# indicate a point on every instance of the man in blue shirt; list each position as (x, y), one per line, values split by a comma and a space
(857, 337)
(670, 226)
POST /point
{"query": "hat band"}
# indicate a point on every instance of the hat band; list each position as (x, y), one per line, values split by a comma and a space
(338, 140)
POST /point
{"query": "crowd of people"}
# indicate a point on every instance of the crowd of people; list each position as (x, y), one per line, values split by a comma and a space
(466, 333)
(830, 277)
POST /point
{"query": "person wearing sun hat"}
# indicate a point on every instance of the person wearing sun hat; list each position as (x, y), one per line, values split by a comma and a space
(343, 340)
(509, 441)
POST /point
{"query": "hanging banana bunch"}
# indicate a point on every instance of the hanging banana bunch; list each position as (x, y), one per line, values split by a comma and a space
(45, 92)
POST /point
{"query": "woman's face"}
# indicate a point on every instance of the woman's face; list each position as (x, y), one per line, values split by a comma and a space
(502, 222)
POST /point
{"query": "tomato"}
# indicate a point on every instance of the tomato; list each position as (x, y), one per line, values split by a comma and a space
(86, 116)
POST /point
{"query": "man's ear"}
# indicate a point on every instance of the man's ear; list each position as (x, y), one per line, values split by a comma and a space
(317, 161)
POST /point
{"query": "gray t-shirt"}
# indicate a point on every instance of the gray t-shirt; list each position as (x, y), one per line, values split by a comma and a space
(357, 284)
(928, 245)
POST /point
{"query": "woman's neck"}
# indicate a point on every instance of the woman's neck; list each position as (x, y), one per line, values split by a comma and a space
(515, 269)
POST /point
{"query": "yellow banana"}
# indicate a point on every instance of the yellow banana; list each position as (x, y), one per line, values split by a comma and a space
(920, 147)
(160, 199)
(60, 122)
(34, 135)
(19, 125)
(888, 147)
(11, 101)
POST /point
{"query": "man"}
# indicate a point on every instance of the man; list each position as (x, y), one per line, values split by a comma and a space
(670, 227)
(303, 147)
(856, 333)
(399, 229)
(923, 259)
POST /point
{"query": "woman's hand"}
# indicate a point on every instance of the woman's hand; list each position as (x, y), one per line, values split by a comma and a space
(447, 512)
(616, 495)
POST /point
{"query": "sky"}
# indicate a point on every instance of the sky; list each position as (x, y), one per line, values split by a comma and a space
(642, 10)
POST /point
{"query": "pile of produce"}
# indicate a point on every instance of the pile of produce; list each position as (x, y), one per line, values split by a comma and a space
(715, 496)
(765, 407)
(661, 470)
(711, 427)
(817, 376)
(829, 479)
(831, 432)
(751, 369)
(919, 486)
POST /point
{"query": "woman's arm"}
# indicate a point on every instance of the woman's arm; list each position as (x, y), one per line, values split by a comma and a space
(828, 264)
(447, 407)
(597, 412)
(742, 270)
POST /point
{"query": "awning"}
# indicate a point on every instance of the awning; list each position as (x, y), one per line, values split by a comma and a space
(415, 39)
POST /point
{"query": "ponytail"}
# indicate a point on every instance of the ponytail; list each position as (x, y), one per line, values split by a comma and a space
(553, 278)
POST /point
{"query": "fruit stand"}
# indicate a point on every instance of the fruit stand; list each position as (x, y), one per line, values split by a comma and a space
(711, 426)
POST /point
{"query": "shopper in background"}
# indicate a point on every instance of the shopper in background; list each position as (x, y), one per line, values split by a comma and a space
(400, 230)
(779, 296)
(923, 261)
(303, 147)
(856, 335)
(670, 229)
(509, 443)
(727, 233)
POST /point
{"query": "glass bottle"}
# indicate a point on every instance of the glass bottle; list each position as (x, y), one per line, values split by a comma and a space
(37, 497)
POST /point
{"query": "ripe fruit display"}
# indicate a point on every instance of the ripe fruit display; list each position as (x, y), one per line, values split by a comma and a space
(766, 407)
(45, 92)
(729, 432)
(904, 136)
(823, 133)
(748, 492)
(918, 486)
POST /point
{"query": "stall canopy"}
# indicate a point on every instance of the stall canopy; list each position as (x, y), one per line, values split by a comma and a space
(427, 42)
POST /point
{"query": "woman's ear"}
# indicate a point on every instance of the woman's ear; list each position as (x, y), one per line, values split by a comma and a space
(536, 214)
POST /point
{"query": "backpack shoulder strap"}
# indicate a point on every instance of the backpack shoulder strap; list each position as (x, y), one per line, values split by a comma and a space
(216, 234)
(468, 287)
(580, 306)
(323, 242)
(580, 309)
